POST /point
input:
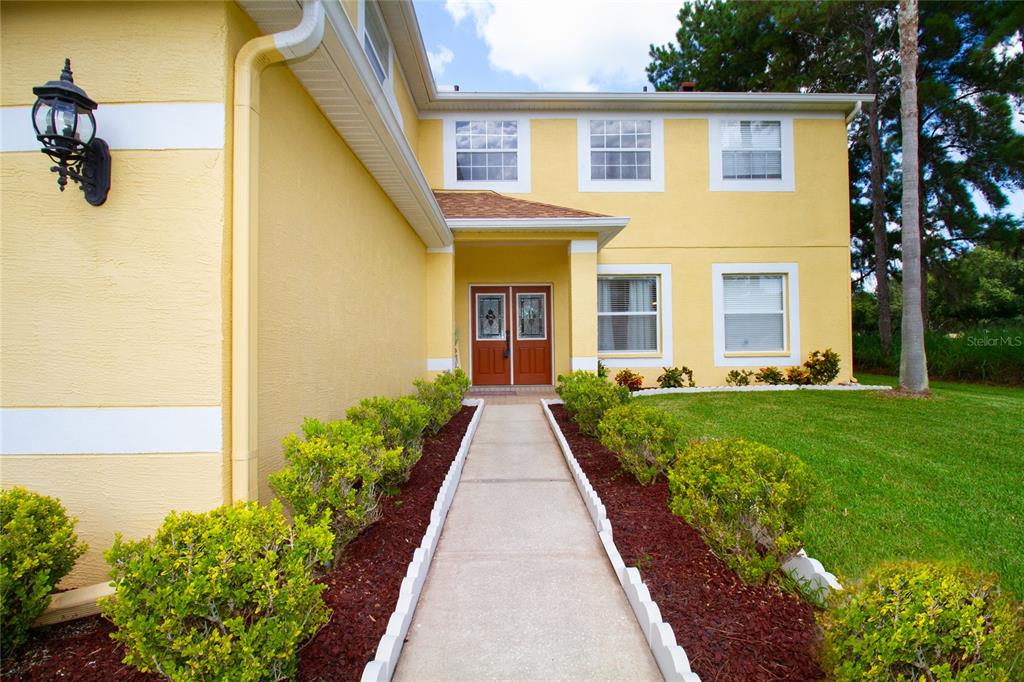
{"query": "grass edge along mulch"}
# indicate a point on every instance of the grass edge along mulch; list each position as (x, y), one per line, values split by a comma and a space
(362, 592)
(729, 630)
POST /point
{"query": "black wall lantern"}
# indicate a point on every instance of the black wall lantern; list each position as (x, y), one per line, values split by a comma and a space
(62, 117)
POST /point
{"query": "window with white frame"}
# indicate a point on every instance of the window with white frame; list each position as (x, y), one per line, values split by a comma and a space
(375, 41)
(620, 149)
(751, 154)
(627, 314)
(618, 154)
(755, 313)
(487, 150)
(751, 150)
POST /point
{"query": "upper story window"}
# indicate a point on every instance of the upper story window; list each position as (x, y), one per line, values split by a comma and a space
(620, 154)
(487, 152)
(751, 154)
(751, 150)
(375, 42)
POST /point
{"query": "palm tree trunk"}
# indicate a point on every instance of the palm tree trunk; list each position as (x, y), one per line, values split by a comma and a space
(877, 187)
(913, 362)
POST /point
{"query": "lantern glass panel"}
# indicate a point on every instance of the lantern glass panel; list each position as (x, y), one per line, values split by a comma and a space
(86, 127)
(41, 118)
(65, 119)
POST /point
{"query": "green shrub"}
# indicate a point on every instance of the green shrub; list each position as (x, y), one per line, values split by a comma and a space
(442, 397)
(629, 379)
(401, 422)
(739, 377)
(645, 439)
(223, 595)
(822, 366)
(919, 621)
(38, 547)
(994, 354)
(772, 376)
(676, 377)
(746, 499)
(798, 376)
(587, 397)
(336, 471)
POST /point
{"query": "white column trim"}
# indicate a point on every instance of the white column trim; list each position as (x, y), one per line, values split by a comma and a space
(109, 430)
(664, 357)
(791, 271)
(148, 125)
(583, 246)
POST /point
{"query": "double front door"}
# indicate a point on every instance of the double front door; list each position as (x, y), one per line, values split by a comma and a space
(511, 341)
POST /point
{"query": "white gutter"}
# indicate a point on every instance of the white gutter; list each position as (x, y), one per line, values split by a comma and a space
(856, 112)
(606, 226)
(252, 58)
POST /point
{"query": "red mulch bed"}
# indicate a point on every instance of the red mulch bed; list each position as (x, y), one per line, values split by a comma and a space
(729, 630)
(362, 591)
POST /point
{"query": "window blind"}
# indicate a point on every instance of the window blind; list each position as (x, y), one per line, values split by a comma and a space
(751, 150)
(627, 314)
(755, 314)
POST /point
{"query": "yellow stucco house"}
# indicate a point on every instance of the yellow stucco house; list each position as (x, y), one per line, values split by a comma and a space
(298, 218)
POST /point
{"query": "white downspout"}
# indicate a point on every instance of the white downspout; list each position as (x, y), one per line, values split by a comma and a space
(252, 58)
(855, 113)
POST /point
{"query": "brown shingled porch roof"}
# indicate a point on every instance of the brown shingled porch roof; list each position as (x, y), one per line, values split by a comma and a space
(485, 204)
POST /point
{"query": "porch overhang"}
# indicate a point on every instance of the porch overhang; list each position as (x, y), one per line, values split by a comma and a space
(603, 229)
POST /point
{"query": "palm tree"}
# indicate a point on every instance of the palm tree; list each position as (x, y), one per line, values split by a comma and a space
(913, 363)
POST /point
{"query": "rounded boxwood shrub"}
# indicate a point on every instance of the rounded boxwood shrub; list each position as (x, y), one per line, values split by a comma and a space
(645, 439)
(746, 499)
(227, 594)
(442, 397)
(921, 621)
(38, 547)
(336, 471)
(400, 422)
(587, 397)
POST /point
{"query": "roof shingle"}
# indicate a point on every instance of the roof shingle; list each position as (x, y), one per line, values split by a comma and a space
(489, 204)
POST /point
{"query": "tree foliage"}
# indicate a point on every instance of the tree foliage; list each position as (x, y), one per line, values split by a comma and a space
(970, 91)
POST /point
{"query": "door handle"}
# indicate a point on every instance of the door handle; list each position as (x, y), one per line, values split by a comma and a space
(508, 342)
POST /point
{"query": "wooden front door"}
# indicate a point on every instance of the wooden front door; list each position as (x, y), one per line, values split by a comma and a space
(531, 335)
(511, 335)
(492, 336)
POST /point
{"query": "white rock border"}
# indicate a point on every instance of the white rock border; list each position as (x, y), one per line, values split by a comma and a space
(382, 667)
(670, 657)
(780, 387)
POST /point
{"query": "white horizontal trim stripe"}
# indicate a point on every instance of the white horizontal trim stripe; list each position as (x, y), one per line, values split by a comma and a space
(151, 125)
(440, 364)
(584, 363)
(442, 249)
(109, 430)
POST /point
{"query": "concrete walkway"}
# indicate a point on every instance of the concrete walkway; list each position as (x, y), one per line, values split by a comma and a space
(519, 588)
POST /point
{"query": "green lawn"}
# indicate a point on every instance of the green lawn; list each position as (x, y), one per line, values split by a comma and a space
(898, 478)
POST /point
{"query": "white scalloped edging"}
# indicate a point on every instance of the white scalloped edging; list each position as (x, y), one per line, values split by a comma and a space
(670, 657)
(382, 667)
(756, 389)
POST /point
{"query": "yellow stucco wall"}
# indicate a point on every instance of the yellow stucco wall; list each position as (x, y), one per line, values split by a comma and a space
(410, 118)
(690, 227)
(342, 301)
(512, 263)
(118, 305)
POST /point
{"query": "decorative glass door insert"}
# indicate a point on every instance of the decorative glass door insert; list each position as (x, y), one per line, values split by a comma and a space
(532, 316)
(490, 317)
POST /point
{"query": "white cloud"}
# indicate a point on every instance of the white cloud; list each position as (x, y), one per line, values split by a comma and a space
(439, 59)
(571, 45)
